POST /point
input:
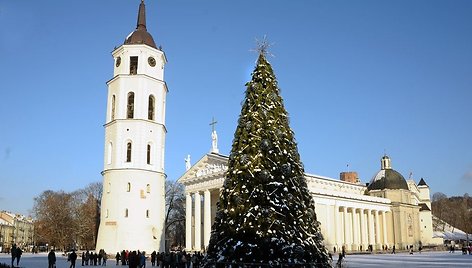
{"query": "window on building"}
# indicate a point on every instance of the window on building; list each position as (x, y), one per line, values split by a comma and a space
(130, 106)
(151, 107)
(128, 152)
(148, 188)
(128, 187)
(147, 213)
(113, 101)
(148, 156)
(133, 65)
(106, 215)
(126, 213)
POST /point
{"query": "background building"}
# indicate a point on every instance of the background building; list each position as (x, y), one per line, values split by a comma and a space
(15, 229)
(388, 211)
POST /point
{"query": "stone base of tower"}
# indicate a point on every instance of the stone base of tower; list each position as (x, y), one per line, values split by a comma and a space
(114, 238)
(132, 211)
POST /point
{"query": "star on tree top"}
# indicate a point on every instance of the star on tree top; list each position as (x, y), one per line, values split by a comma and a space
(262, 46)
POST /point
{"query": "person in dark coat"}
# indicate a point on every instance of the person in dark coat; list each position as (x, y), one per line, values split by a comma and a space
(117, 257)
(52, 259)
(72, 259)
(133, 259)
(18, 255)
(13, 254)
(153, 258)
(123, 257)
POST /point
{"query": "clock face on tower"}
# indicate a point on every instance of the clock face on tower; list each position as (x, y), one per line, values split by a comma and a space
(118, 61)
(152, 61)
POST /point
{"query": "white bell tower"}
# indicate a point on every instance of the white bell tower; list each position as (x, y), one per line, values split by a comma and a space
(133, 202)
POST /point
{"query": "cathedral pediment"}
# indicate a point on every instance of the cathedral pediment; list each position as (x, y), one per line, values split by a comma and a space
(210, 165)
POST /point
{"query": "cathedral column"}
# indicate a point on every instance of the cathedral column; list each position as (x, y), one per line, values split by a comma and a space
(337, 228)
(371, 227)
(347, 239)
(377, 229)
(384, 225)
(329, 237)
(355, 229)
(188, 222)
(363, 229)
(206, 218)
(198, 222)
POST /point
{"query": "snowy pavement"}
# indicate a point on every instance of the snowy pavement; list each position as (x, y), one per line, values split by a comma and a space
(441, 259)
(401, 260)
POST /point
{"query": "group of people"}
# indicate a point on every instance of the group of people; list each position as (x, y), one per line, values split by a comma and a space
(16, 253)
(94, 259)
(180, 259)
(467, 249)
(133, 259)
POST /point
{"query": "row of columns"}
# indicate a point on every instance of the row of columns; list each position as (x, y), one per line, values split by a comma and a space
(356, 230)
(193, 210)
(360, 228)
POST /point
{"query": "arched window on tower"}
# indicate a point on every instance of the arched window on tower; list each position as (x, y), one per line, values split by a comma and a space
(147, 213)
(148, 154)
(148, 188)
(110, 153)
(113, 101)
(151, 107)
(128, 187)
(128, 152)
(126, 213)
(130, 106)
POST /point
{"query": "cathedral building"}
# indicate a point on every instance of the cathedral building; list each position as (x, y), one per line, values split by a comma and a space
(388, 211)
(133, 202)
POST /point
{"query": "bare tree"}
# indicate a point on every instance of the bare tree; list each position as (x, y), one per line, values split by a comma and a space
(455, 210)
(88, 214)
(175, 213)
(440, 207)
(68, 220)
(54, 221)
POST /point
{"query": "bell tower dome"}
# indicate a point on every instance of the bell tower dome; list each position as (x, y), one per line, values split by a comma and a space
(133, 201)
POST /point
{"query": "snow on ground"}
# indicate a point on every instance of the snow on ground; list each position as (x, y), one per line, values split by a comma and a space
(402, 260)
(441, 259)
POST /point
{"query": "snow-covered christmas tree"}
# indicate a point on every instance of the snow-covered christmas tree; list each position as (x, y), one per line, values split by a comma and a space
(265, 214)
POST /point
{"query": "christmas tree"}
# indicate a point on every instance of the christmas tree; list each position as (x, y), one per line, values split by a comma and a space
(265, 214)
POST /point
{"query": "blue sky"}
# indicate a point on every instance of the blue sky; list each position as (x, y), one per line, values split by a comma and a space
(359, 78)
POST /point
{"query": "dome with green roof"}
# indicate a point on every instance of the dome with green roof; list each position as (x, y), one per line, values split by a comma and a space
(387, 178)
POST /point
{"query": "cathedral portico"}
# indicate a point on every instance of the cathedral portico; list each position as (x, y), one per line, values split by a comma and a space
(200, 210)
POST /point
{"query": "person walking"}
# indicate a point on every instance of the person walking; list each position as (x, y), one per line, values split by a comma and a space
(72, 259)
(52, 259)
(117, 258)
(142, 260)
(104, 258)
(13, 254)
(153, 258)
(18, 255)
